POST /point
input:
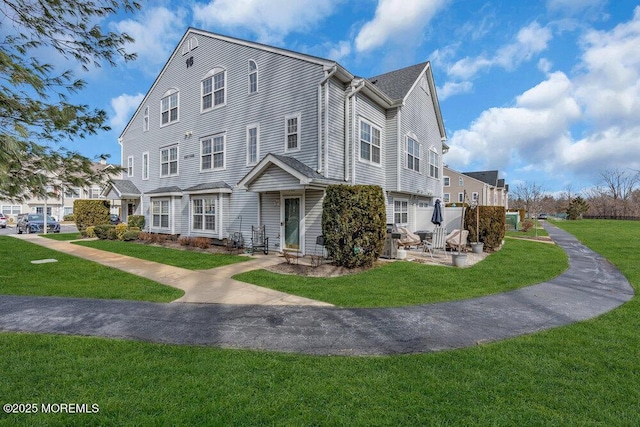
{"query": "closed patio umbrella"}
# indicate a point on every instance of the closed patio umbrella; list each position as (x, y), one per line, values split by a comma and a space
(436, 218)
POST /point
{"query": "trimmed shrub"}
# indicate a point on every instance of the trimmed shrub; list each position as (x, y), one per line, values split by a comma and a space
(135, 221)
(120, 230)
(90, 212)
(526, 225)
(130, 235)
(354, 224)
(88, 232)
(184, 241)
(492, 222)
(105, 231)
(69, 217)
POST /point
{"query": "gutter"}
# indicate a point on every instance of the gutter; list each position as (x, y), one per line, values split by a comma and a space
(320, 138)
(347, 139)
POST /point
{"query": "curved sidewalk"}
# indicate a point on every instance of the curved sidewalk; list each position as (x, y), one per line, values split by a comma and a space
(591, 286)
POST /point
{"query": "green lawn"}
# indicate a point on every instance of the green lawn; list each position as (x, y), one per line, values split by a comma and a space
(517, 264)
(62, 236)
(70, 276)
(190, 260)
(586, 374)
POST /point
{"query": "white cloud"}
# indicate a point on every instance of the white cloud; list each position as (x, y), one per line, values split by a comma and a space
(124, 106)
(271, 20)
(155, 34)
(530, 41)
(454, 88)
(602, 99)
(573, 6)
(525, 134)
(339, 51)
(394, 19)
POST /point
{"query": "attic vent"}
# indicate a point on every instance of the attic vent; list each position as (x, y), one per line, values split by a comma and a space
(189, 45)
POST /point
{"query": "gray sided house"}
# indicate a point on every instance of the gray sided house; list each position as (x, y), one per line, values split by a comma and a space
(235, 134)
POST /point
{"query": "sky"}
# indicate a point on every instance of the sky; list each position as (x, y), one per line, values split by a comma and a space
(544, 91)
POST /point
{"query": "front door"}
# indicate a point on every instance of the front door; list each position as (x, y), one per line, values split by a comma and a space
(292, 223)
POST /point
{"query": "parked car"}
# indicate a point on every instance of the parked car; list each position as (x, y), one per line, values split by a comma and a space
(34, 223)
(3, 221)
(542, 216)
(114, 219)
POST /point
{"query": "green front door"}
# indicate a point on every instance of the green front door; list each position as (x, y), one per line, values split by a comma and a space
(292, 223)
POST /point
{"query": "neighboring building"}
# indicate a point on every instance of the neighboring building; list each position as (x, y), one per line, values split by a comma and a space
(234, 134)
(484, 187)
(60, 204)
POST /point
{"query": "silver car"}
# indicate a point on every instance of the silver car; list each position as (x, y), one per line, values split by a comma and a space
(3, 221)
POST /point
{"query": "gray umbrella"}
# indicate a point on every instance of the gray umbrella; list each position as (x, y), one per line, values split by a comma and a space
(436, 218)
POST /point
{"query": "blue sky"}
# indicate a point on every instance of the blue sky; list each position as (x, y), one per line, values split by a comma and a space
(543, 91)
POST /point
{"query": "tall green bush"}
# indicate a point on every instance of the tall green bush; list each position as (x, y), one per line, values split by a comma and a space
(492, 222)
(354, 224)
(91, 212)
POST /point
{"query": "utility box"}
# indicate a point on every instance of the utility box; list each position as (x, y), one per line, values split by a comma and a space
(390, 248)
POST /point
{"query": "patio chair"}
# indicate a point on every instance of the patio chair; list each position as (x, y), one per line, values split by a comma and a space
(409, 239)
(259, 240)
(456, 240)
(437, 241)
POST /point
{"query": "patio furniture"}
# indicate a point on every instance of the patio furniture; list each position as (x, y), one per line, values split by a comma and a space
(408, 239)
(457, 239)
(437, 241)
(259, 239)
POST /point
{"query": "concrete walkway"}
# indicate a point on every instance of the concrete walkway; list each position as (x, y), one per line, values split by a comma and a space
(201, 286)
(590, 287)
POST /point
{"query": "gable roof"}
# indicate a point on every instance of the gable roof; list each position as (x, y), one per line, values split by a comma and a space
(489, 177)
(122, 187)
(398, 83)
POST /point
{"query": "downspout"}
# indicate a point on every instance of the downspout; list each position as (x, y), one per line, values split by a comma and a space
(320, 139)
(347, 139)
(399, 139)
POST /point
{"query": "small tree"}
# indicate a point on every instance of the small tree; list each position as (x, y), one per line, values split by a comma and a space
(577, 207)
(354, 224)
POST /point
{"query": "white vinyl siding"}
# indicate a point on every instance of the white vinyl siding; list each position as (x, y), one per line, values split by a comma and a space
(145, 122)
(434, 164)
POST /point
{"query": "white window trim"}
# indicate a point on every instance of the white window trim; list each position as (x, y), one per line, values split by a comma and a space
(446, 181)
(145, 119)
(431, 151)
(169, 147)
(249, 77)
(168, 94)
(461, 197)
(224, 152)
(169, 216)
(189, 45)
(446, 198)
(460, 181)
(257, 127)
(298, 132)
(210, 75)
(401, 201)
(145, 164)
(215, 215)
(419, 157)
(475, 196)
(130, 166)
(379, 129)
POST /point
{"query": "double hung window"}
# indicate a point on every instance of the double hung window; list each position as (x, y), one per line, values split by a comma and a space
(369, 142)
